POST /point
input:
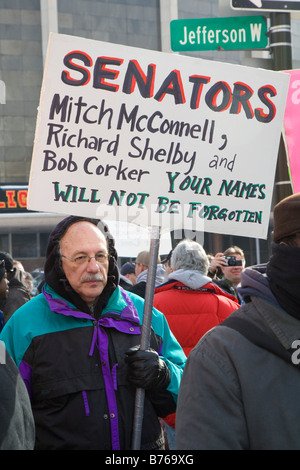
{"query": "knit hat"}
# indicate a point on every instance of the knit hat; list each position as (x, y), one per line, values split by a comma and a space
(287, 217)
(55, 276)
(127, 268)
(144, 257)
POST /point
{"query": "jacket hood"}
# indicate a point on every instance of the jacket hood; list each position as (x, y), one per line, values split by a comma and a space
(194, 281)
(55, 276)
(159, 277)
(255, 283)
(188, 277)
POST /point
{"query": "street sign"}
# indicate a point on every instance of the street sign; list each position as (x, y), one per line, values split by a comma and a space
(265, 5)
(244, 32)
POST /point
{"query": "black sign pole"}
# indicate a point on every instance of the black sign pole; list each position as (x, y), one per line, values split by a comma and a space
(281, 49)
(281, 40)
(145, 334)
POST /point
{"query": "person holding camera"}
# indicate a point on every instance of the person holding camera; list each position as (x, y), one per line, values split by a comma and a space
(226, 269)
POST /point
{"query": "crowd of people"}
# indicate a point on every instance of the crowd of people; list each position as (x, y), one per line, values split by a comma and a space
(220, 371)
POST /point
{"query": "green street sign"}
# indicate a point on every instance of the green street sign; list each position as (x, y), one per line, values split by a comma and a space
(238, 32)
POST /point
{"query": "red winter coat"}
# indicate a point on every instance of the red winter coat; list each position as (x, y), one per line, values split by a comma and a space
(192, 308)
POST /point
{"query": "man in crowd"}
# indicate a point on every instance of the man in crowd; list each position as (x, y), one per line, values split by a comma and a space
(76, 345)
(240, 387)
(18, 291)
(231, 264)
(141, 271)
(127, 275)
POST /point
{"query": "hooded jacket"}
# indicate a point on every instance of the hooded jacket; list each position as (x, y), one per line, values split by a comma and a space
(192, 305)
(72, 361)
(246, 396)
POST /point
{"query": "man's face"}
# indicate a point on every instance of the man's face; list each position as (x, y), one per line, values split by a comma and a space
(90, 278)
(234, 273)
(132, 277)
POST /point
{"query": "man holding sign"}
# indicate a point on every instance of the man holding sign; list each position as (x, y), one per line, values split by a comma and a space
(76, 345)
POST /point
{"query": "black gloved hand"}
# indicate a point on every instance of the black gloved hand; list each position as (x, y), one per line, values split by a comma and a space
(146, 369)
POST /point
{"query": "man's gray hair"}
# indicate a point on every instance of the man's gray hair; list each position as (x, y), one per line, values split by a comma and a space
(189, 255)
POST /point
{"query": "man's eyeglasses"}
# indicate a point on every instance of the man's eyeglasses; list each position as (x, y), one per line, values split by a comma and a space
(101, 258)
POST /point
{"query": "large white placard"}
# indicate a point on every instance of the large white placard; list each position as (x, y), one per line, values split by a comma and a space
(156, 139)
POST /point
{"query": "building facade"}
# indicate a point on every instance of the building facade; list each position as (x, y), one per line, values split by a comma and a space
(24, 32)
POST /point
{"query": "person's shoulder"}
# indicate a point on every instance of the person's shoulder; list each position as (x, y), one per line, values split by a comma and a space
(35, 301)
(32, 307)
(222, 339)
(139, 289)
(134, 296)
(139, 303)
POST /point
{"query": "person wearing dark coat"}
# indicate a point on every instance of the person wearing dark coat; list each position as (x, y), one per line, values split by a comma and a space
(241, 382)
(77, 348)
(4, 289)
(17, 431)
(18, 291)
(141, 270)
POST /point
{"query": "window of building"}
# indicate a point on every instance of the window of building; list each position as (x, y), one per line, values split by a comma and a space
(43, 243)
(24, 245)
(4, 242)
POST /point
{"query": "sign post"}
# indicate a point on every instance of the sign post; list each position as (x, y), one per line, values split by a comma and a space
(281, 48)
(145, 336)
(244, 32)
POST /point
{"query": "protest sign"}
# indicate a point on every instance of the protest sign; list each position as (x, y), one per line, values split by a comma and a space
(291, 125)
(156, 139)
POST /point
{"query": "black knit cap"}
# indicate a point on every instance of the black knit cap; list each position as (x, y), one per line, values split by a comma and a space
(55, 276)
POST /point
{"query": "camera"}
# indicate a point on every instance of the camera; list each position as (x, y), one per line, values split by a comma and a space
(232, 261)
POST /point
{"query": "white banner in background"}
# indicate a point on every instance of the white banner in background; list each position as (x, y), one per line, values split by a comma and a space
(156, 139)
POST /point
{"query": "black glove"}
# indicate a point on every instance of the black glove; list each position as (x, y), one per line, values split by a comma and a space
(146, 369)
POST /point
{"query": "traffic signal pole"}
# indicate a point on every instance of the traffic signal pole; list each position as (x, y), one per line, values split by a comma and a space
(281, 40)
(281, 49)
